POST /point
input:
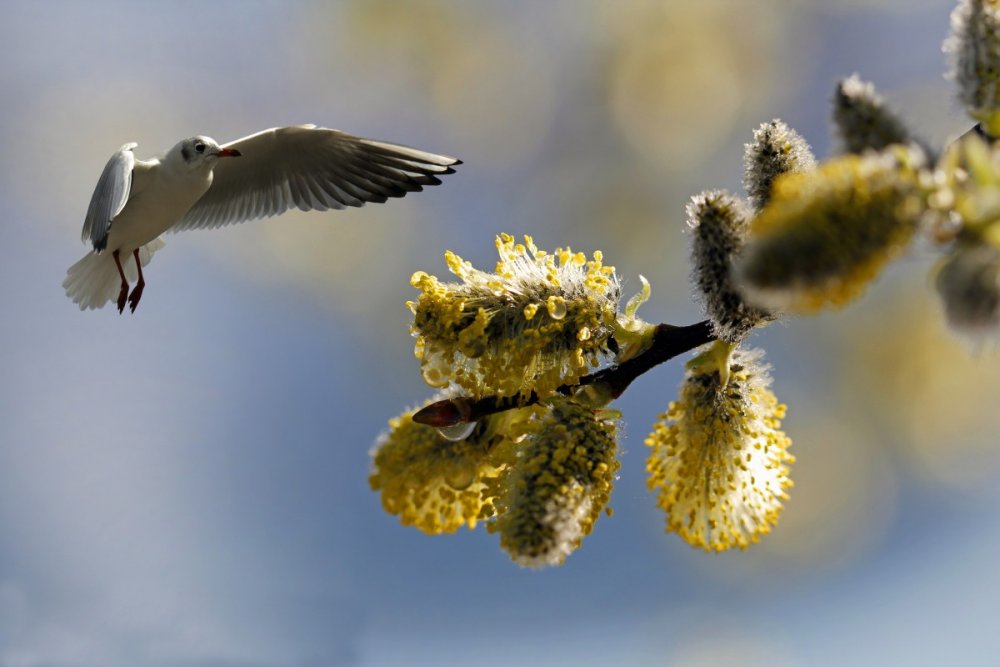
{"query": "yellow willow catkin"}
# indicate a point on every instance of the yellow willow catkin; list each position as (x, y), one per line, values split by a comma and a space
(719, 461)
(540, 321)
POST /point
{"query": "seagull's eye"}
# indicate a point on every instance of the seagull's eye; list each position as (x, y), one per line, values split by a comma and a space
(200, 148)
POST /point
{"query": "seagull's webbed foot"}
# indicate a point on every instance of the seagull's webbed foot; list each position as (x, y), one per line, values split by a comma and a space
(133, 299)
(122, 296)
(123, 293)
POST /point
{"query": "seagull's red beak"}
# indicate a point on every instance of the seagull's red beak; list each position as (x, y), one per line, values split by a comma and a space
(229, 152)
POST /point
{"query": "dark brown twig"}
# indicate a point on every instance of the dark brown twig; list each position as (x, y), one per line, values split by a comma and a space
(668, 342)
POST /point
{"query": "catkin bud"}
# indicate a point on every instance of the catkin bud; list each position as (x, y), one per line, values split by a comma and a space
(776, 149)
(973, 48)
(863, 120)
(719, 224)
(969, 286)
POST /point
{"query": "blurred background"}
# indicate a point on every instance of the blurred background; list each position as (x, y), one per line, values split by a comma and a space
(188, 486)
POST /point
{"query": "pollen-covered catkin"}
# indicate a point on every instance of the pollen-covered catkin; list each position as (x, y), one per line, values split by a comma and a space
(718, 460)
(559, 486)
(431, 482)
(540, 321)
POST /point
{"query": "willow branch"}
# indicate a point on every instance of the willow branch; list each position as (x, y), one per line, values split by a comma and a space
(667, 342)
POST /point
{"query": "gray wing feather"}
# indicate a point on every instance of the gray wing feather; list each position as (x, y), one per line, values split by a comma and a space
(312, 169)
(110, 196)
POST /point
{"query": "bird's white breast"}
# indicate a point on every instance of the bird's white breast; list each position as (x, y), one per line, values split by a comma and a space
(168, 193)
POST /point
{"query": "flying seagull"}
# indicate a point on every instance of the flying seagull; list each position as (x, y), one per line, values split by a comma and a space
(199, 184)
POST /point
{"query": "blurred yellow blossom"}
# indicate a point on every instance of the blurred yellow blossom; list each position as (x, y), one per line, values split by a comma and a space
(968, 203)
(828, 232)
(926, 393)
(463, 63)
(693, 65)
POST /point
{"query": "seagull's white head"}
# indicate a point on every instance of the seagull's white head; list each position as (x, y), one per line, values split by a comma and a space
(200, 152)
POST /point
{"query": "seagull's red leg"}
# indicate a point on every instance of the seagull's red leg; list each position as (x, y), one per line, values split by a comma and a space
(123, 294)
(133, 299)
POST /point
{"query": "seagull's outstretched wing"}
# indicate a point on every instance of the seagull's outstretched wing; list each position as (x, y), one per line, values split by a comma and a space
(310, 168)
(110, 196)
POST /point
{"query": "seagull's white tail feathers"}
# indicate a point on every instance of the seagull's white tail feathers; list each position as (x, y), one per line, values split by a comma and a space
(94, 280)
